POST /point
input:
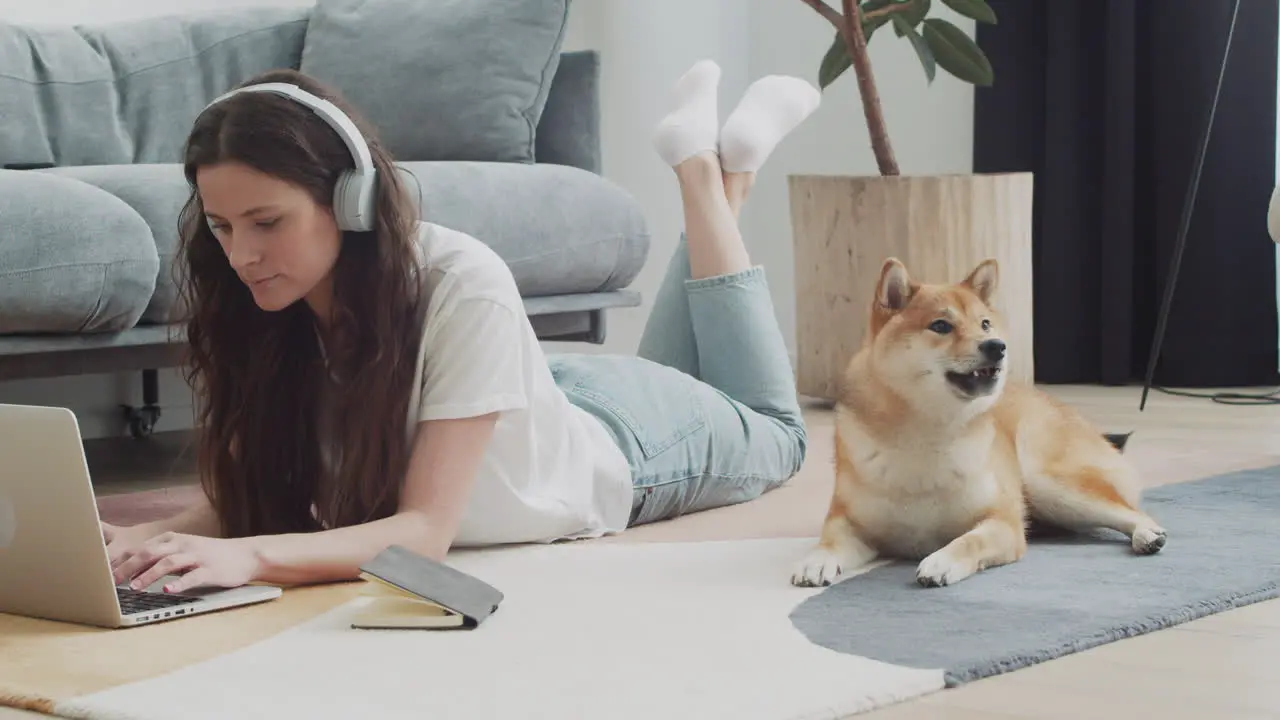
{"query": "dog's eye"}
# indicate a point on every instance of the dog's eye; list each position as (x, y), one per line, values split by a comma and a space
(986, 325)
(942, 327)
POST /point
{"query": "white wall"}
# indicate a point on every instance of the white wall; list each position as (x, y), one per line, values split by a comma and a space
(645, 46)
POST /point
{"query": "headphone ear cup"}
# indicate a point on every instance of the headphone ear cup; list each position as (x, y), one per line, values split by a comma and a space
(353, 202)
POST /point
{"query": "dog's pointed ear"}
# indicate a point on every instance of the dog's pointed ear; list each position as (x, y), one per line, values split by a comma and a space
(984, 279)
(895, 288)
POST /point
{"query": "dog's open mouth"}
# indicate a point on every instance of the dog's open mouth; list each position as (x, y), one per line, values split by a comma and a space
(976, 382)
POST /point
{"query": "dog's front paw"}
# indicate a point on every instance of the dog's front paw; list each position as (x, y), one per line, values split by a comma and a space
(1149, 540)
(820, 567)
(942, 568)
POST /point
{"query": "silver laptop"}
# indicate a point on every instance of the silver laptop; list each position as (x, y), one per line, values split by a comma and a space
(53, 559)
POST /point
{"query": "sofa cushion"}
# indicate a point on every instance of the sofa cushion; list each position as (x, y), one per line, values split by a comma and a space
(128, 92)
(569, 131)
(444, 79)
(151, 192)
(73, 258)
(560, 229)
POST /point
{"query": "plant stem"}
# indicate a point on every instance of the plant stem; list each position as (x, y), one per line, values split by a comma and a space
(826, 11)
(889, 10)
(856, 43)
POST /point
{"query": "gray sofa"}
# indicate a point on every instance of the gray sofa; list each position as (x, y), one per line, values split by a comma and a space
(494, 121)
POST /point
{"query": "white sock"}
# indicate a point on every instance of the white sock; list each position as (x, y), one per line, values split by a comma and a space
(770, 108)
(692, 125)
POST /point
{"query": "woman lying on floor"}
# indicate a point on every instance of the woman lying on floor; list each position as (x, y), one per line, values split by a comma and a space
(314, 340)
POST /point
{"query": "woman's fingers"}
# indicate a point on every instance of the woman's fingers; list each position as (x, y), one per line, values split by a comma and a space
(177, 563)
(139, 560)
(131, 567)
(195, 578)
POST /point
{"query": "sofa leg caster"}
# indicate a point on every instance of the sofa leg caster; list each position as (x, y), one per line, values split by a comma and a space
(142, 421)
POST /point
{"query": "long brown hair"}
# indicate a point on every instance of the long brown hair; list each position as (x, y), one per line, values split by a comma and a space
(258, 375)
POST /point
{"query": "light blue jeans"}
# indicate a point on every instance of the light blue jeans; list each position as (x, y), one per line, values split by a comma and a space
(706, 412)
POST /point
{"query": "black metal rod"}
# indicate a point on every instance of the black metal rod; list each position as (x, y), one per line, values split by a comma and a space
(1180, 244)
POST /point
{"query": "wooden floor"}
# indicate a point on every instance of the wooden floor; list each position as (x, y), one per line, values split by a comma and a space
(1217, 668)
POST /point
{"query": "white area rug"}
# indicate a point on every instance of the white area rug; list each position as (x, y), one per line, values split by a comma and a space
(653, 631)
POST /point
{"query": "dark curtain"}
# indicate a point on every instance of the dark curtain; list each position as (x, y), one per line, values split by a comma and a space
(1105, 101)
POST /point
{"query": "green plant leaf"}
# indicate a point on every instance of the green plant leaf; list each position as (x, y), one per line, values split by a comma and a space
(973, 9)
(909, 19)
(956, 52)
(836, 61)
(921, 47)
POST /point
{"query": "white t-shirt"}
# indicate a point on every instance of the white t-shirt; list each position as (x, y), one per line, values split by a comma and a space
(551, 471)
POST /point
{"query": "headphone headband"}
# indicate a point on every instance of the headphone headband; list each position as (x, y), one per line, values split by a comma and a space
(353, 194)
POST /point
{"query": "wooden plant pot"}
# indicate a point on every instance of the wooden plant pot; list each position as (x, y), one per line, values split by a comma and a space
(941, 227)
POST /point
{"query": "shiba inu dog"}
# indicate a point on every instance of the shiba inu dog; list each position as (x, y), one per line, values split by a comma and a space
(941, 459)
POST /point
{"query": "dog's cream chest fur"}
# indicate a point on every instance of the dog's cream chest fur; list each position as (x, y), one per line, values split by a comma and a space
(914, 496)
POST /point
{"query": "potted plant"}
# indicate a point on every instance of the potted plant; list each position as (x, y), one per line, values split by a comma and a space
(941, 226)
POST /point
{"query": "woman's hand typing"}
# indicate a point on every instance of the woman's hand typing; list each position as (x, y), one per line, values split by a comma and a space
(125, 539)
(198, 560)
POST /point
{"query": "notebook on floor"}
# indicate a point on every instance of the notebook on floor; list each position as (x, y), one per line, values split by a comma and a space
(412, 591)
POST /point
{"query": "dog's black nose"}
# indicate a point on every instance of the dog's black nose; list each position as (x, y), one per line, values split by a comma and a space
(992, 349)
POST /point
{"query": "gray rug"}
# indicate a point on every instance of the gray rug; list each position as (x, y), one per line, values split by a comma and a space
(1068, 593)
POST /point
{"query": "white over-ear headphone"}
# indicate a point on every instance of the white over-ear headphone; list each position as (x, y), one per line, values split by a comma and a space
(353, 195)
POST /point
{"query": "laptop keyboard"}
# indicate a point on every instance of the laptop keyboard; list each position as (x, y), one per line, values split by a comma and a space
(136, 601)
